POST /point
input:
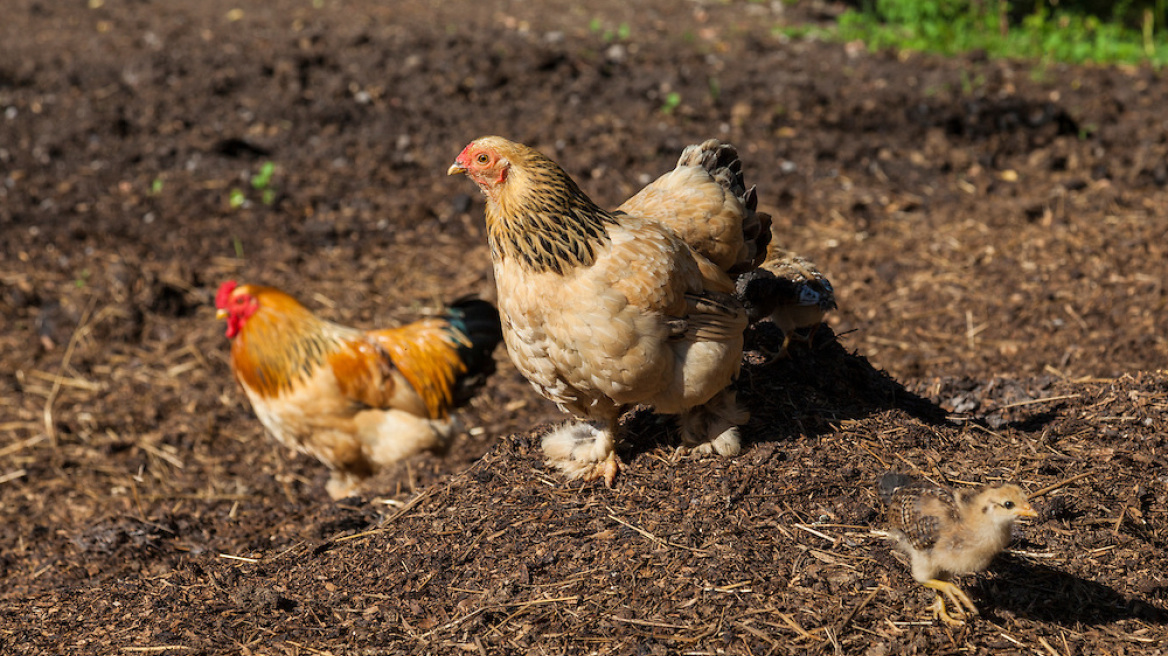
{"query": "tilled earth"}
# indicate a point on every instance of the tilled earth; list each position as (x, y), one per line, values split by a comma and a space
(996, 233)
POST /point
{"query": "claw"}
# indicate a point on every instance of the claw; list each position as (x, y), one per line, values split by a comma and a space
(782, 354)
(606, 469)
(956, 595)
(940, 613)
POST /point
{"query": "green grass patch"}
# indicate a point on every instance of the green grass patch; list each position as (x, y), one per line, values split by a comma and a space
(1133, 33)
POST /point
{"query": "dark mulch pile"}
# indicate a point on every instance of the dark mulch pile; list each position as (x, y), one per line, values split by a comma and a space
(997, 233)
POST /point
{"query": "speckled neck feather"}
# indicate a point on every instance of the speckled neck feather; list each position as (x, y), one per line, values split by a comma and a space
(277, 350)
(543, 220)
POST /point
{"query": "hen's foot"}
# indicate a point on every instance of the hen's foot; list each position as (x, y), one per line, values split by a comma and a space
(583, 450)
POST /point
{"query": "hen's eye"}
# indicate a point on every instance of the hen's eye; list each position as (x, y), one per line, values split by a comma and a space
(1009, 505)
(482, 158)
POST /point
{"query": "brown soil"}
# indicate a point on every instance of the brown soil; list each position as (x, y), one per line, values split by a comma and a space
(996, 233)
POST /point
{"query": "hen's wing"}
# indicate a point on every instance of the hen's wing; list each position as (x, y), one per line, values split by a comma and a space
(705, 202)
(608, 335)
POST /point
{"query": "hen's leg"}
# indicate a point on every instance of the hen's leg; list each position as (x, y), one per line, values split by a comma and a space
(583, 450)
(713, 427)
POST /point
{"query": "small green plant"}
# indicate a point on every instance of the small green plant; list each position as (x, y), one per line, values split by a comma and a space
(238, 246)
(156, 187)
(672, 101)
(82, 279)
(262, 182)
(622, 31)
(970, 84)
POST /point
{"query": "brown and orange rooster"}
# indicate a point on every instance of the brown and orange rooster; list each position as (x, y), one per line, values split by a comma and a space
(355, 400)
(605, 310)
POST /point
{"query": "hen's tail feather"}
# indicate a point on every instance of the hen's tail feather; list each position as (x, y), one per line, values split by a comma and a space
(475, 325)
(723, 164)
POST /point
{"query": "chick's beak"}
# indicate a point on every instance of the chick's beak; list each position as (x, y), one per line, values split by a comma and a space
(455, 169)
(220, 313)
(1027, 511)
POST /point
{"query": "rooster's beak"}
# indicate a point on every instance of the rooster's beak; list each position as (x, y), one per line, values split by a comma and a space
(220, 314)
(455, 169)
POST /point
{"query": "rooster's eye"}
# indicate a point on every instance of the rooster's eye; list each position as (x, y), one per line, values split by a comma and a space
(482, 158)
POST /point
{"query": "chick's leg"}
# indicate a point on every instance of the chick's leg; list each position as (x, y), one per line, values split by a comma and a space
(783, 352)
(713, 426)
(792, 335)
(955, 595)
(583, 450)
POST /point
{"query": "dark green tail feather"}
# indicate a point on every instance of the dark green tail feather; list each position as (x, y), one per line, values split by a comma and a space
(478, 322)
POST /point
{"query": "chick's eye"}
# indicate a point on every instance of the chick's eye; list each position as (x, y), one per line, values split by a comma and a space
(1009, 505)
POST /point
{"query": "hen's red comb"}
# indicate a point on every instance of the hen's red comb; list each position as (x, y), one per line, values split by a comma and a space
(224, 294)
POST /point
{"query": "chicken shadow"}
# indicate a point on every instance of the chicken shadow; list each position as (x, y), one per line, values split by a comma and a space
(820, 383)
(817, 384)
(1042, 593)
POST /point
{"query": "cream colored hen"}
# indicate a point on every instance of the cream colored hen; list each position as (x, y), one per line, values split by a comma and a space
(605, 310)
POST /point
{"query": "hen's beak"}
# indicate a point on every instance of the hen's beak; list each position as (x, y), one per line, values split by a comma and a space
(220, 314)
(455, 169)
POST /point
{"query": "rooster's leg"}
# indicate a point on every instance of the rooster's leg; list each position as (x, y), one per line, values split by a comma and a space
(955, 595)
(342, 484)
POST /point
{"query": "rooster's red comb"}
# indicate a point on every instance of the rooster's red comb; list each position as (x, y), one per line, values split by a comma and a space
(224, 294)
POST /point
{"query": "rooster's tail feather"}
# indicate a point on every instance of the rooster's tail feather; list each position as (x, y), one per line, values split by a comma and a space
(475, 325)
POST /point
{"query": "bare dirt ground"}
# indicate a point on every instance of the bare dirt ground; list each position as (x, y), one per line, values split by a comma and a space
(996, 232)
